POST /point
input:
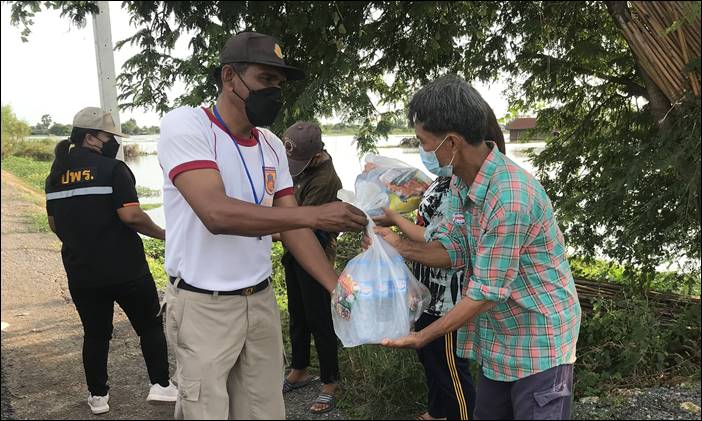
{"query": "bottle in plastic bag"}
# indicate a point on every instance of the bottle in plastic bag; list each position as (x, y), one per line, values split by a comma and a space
(377, 296)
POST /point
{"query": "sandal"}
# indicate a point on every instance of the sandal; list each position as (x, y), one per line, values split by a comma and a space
(324, 399)
(288, 386)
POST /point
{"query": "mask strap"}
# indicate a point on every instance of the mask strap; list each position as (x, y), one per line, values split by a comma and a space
(442, 142)
(242, 81)
(437, 148)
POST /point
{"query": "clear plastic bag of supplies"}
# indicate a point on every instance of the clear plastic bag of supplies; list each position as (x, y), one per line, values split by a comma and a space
(399, 185)
(377, 296)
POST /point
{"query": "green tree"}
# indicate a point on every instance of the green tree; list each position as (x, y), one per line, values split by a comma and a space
(58, 129)
(13, 129)
(153, 130)
(43, 126)
(621, 184)
(131, 127)
(341, 52)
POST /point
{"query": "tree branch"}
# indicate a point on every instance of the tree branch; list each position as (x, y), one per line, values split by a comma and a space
(632, 88)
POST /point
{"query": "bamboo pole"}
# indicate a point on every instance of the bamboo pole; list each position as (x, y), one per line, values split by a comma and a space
(691, 75)
(661, 78)
(689, 29)
(662, 56)
(659, 28)
(667, 64)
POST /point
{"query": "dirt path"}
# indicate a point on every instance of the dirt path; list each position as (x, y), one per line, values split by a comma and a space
(42, 371)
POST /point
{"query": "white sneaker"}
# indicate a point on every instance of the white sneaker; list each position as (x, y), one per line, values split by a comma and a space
(158, 393)
(98, 404)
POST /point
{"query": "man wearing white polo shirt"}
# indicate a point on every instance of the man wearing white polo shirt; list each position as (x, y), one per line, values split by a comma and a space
(227, 188)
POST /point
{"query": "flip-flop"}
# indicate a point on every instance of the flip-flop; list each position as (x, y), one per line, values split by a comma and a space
(288, 386)
(324, 399)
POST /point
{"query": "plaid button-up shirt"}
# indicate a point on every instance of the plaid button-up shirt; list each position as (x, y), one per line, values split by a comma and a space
(503, 231)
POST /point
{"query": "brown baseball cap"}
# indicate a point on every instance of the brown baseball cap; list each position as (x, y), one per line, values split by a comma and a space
(97, 119)
(252, 47)
(303, 140)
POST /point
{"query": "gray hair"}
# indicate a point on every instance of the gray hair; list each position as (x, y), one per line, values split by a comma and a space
(450, 104)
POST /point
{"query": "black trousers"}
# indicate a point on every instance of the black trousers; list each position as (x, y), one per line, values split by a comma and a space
(451, 390)
(309, 306)
(139, 301)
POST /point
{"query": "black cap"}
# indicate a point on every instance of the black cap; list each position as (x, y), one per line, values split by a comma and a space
(303, 140)
(252, 47)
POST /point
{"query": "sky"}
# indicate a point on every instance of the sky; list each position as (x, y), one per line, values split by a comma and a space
(55, 71)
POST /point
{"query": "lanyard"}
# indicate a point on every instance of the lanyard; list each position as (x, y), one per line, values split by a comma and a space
(243, 161)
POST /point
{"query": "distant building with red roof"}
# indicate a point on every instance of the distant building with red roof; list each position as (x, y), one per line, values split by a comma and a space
(519, 130)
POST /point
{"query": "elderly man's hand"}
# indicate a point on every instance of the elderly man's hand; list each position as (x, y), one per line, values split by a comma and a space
(366, 242)
(389, 236)
(389, 218)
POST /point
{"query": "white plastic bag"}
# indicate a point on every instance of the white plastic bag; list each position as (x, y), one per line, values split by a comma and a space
(377, 296)
(400, 185)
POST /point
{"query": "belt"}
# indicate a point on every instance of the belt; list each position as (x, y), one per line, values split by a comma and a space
(244, 291)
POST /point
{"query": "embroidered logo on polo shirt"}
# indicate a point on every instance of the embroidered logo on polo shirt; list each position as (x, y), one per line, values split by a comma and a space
(270, 175)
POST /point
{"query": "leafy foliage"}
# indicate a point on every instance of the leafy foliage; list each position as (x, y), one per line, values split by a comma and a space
(39, 149)
(623, 343)
(130, 127)
(621, 185)
(13, 130)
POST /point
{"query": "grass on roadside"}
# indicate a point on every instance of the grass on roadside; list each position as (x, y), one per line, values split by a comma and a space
(29, 170)
(39, 222)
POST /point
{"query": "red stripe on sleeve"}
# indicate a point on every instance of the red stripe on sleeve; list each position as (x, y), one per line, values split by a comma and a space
(192, 165)
(284, 192)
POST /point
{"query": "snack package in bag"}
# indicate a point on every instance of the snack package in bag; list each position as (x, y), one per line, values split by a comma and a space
(377, 296)
(401, 185)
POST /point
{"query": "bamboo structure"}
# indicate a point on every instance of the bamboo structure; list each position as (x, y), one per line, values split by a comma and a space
(666, 306)
(665, 36)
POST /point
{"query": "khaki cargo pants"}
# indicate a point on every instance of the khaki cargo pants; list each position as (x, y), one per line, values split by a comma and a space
(229, 353)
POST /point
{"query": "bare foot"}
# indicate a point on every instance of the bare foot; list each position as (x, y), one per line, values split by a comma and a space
(329, 389)
(296, 376)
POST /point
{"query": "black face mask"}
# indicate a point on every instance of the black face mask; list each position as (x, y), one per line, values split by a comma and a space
(262, 106)
(109, 149)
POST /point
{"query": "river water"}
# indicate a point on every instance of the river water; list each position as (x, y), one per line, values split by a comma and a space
(342, 149)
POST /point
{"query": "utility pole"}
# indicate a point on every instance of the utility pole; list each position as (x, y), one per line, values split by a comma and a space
(104, 54)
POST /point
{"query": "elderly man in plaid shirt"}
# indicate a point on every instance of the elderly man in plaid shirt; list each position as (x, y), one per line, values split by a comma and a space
(519, 317)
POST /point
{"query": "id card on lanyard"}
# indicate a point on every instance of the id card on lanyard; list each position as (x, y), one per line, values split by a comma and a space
(256, 199)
